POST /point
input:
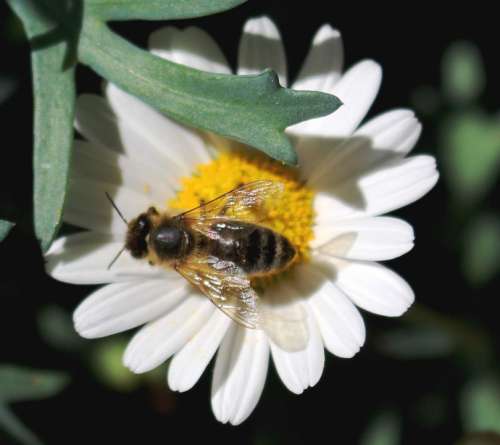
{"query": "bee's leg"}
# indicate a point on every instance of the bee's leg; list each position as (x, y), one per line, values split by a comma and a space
(203, 210)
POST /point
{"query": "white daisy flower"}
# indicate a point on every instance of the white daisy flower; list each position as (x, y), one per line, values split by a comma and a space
(348, 176)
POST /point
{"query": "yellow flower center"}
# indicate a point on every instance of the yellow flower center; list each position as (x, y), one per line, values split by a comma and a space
(291, 215)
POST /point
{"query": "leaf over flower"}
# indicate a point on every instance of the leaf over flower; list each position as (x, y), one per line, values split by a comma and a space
(251, 109)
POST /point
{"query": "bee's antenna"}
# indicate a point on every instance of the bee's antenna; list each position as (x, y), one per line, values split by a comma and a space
(113, 261)
(117, 211)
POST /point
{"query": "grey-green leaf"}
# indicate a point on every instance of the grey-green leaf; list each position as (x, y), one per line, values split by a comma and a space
(5, 227)
(471, 154)
(251, 109)
(157, 9)
(480, 405)
(17, 383)
(481, 256)
(463, 72)
(54, 97)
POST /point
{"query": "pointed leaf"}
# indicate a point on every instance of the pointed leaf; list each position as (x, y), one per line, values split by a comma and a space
(157, 9)
(54, 97)
(251, 109)
(5, 227)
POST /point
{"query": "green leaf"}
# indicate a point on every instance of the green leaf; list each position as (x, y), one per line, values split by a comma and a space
(54, 97)
(481, 258)
(157, 9)
(471, 155)
(385, 429)
(463, 72)
(17, 384)
(480, 405)
(5, 227)
(251, 109)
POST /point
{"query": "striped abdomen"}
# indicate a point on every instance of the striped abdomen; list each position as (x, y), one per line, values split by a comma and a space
(256, 249)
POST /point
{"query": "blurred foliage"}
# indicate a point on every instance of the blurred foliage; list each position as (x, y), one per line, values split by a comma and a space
(108, 366)
(483, 438)
(385, 429)
(470, 145)
(413, 342)
(463, 73)
(20, 384)
(56, 328)
(481, 261)
(480, 405)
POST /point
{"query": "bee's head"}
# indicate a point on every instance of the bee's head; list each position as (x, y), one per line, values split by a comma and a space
(137, 233)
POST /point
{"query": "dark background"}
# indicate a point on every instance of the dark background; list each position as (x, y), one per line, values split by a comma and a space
(421, 391)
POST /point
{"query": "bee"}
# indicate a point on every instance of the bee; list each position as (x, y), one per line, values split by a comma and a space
(219, 247)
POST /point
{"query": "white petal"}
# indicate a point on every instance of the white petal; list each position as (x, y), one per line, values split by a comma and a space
(373, 287)
(389, 136)
(188, 364)
(160, 339)
(87, 205)
(374, 239)
(120, 306)
(174, 144)
(99, 123)
(301, 369)
(260, 48)
(99, 164)
(84, 259)
(357, 90)
(392, 185)
(339, 322)
(191, 46)
(239, 374)
(283, 317)
(323, 65)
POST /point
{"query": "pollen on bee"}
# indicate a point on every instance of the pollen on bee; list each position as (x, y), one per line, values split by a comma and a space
(292, 215)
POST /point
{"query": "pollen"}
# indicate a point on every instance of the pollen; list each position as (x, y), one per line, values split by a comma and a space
(291, 215)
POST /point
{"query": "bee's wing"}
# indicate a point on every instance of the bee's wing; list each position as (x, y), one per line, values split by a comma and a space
(227, 287)
(285, 323)
(246, 203)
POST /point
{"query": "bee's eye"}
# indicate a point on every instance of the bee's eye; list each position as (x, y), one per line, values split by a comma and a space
(143, 225)
(167, 241)
(136, 236)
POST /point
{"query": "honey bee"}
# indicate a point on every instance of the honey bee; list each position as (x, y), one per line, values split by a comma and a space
(219, 247)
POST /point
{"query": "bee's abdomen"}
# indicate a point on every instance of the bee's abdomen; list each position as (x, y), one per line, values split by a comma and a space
(265, 251)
